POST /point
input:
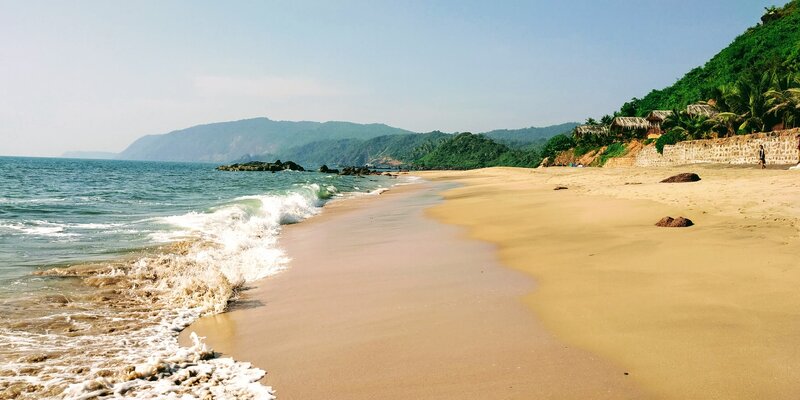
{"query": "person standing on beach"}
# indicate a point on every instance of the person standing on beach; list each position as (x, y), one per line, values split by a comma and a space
(762, 156)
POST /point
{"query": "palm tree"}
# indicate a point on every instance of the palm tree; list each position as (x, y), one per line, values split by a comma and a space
(690, 126)
(726, 122)
(785, 104)
(746, 97)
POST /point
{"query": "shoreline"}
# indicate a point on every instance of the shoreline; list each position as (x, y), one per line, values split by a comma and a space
(380, 301)
(701, 312)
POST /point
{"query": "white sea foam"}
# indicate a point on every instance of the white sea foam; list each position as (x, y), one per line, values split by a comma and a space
(125, 337)
(39, 228)
(408, 180)
(44, 200)
(94, 226)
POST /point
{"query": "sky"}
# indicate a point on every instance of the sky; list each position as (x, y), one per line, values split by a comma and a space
(96, 75)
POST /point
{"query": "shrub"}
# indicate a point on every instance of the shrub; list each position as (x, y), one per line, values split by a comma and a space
(671, 137)
(557, 144)
(613, 150)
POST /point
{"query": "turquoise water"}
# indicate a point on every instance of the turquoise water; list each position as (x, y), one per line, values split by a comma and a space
(114, 257)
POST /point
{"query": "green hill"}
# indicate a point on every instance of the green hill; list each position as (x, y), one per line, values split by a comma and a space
(525, 136)
(772, 45)
(383, 150)
(468, 151)
(225, 141)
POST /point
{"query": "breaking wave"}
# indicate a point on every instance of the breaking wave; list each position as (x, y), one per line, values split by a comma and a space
(116, 331)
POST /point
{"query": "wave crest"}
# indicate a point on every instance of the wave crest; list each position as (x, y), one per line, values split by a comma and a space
(124, 331)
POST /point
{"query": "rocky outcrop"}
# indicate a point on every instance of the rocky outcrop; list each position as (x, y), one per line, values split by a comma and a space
(325, 170)
(263, 166)
(684, 177)
(669, 222)
(358, 171)
(292, 166)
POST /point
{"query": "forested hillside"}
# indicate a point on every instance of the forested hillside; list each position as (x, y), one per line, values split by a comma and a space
(773, 46)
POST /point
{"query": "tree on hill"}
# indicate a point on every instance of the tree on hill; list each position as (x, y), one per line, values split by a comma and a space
(556, 145)
(769, 46)
(468, 151)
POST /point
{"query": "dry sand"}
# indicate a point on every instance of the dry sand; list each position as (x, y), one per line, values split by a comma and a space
(706, 312)
(380, 302)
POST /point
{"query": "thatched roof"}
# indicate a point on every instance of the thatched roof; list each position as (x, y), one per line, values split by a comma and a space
(630, 123)
(658, 115)
(701, 109)
(597, 130)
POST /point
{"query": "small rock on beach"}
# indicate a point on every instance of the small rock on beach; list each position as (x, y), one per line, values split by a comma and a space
(669, 222)
(684, 177)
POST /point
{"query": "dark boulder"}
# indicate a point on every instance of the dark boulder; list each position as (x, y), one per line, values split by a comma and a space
(360, 171)
(684, 177)
(669, 222)
(560, 188)
(325, 170)
(263, 166)
(292, 166)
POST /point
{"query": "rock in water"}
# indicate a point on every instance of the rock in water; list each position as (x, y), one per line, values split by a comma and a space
(263, 166)
(684, 177)
(680, 222)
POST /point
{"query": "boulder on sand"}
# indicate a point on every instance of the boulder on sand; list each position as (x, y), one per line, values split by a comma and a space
(669, 222)
(684, 177)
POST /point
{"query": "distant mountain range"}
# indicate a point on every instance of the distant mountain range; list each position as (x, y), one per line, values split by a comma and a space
(530, 135)
(226, 141)
(335, 143)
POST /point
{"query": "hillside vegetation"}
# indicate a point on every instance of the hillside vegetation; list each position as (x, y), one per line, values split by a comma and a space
(753, 85)
(526, 136)
(468, 151)
(391, 150)
(771, 46)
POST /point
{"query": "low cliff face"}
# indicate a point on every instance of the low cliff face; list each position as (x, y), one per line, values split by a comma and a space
(599, 157)
(780, 148)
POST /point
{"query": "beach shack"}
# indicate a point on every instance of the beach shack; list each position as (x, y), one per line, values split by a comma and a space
(629, 127)
(590, 132)
(656, 118)
(701, 110)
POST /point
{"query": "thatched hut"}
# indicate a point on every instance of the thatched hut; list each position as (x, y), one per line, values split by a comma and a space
(701, 110)
(593, 130)
(656, 118)
(629, 126)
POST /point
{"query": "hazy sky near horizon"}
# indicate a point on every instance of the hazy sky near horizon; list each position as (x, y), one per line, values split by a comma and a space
(96, 75)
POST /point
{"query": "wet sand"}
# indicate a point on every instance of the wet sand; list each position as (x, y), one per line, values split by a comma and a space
(706, 312)
(382, 302)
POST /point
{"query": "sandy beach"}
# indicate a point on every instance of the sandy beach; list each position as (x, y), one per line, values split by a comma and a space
(381, 302)
(522, 291)
(706, 312)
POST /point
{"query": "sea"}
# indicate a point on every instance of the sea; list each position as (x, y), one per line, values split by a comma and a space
(104, 262)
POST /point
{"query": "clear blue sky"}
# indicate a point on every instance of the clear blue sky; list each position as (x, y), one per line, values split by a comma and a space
(95, 75)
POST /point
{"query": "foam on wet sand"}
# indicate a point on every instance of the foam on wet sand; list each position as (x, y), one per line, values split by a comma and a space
(380, 301)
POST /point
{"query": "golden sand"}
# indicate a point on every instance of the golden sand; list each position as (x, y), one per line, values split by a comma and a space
(706, 312)
(380, 302)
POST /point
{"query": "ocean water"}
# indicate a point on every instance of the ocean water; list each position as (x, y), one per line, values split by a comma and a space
(102, 263)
